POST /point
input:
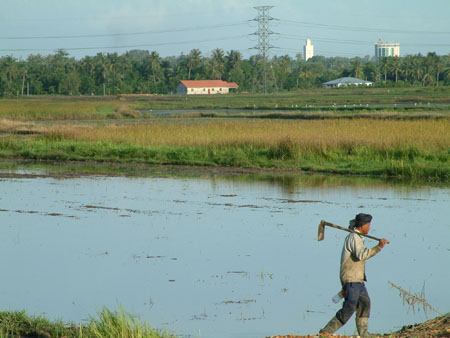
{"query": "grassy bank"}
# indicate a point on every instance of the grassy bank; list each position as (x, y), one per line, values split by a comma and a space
(305, 99)
(346, 100)
(417, 149)
(55, 108)
(109, 324)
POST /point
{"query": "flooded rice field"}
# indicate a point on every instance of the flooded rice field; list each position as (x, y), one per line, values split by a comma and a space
(216, 256)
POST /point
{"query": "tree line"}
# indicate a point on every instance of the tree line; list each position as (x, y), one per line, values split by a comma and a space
(140, 71)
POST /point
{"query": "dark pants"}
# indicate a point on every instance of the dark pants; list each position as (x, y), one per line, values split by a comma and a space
(356, 299)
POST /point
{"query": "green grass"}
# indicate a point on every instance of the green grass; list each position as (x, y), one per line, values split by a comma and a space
(347, 100)
(389, 143)
(109, 324)
(400, 162)
(121, 324)
(57, 108)
(300, 99)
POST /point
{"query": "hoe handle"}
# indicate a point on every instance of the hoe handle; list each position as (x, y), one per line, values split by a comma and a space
(348, 230)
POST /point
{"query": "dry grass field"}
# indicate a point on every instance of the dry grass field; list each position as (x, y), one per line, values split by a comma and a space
(406, 144)
(422, 135)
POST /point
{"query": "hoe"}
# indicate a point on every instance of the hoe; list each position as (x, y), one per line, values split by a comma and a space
(321, 234)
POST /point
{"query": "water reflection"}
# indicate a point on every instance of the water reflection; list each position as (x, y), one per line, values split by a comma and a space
(210, 255)
(286, 180)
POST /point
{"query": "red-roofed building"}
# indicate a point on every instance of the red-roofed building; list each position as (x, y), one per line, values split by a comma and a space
(192, 87)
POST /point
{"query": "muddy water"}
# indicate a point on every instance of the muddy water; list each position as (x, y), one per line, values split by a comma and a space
(215, 256)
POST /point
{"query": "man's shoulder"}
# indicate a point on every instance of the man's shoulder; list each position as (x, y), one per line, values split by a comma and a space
(353, 237)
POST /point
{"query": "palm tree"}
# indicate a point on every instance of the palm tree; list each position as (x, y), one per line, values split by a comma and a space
(233, 60)
(103, 69)
(427, 78)
(306, 73)
(407, 68)
(71, 83)
(384, 67)
(298, 67)
(124, 67)
(11, 71)
(446, 71)
(438, 67)
(194, 59)
(23, 72)
(429, 63)
(370, 71)
(284, 66)
(155, 64)
(35, 67)
(418, 71)
(87, 65)
(357, 70)
(217, 63)
(396, 66)
(11, 68)
(446, 74)
(181, 67)
(234, 71)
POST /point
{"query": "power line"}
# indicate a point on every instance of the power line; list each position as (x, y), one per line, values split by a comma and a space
(126, 46)
(184, 29)
(297, 38)
(263, 33)
(363, 29)
(123, 17)
(353, 42)
(318, 52)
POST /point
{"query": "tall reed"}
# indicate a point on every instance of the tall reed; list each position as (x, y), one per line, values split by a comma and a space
(109, 324)
(113, 324)
(52, 109)
(414, 148)
(317, 135)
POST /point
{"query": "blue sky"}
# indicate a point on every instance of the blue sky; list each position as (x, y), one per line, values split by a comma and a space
(336, 27)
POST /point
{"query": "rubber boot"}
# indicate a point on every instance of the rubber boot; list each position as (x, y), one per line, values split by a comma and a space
(333, 325)
(362, 325)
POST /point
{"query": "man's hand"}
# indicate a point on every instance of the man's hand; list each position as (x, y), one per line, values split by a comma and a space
(382, 243)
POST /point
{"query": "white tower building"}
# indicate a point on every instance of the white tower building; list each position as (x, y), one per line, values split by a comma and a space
(383, 49)
(308, 50)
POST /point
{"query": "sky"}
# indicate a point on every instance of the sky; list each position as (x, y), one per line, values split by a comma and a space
(345, 28)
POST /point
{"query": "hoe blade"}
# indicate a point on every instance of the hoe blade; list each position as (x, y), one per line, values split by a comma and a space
(321, 231)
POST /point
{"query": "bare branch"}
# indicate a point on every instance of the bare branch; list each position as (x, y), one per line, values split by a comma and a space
(414, 300)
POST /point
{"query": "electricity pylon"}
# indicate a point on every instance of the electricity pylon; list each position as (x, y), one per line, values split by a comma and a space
(263, 34)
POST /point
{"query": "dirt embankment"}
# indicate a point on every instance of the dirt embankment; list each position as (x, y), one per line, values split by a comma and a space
(435, 328)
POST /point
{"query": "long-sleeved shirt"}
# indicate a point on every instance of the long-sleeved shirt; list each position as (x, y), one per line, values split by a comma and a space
(353, 258)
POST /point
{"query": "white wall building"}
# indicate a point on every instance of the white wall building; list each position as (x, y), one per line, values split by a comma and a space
(347, 81)
(196, 87)
(308, 50)
(383, 49)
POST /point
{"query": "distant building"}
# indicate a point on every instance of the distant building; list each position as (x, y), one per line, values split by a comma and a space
(386, 49)
(308, 50)
(196, 87)
(346, 81)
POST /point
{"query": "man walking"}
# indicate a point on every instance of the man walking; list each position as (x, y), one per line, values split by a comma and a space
(352, 274)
